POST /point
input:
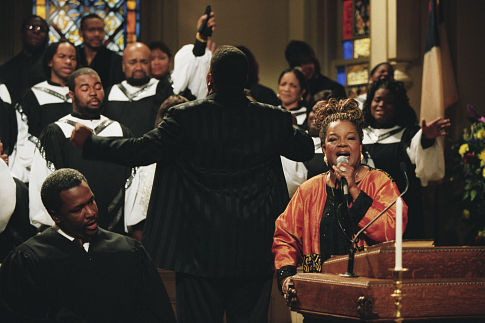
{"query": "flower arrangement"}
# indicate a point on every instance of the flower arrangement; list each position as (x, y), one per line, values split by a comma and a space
(472, 166)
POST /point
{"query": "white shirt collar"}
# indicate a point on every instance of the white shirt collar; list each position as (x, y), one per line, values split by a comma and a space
(71, 238)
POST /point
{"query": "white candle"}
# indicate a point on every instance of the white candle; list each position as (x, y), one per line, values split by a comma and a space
(398, 234)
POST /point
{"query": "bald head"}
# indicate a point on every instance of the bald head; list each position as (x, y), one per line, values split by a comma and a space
(136, 63)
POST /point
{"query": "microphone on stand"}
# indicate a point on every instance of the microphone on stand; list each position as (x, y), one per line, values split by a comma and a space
(350, 264)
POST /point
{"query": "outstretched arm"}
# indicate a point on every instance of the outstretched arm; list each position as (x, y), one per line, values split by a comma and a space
(159, 144)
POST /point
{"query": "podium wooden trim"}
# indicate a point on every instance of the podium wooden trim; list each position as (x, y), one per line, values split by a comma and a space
(441, 283)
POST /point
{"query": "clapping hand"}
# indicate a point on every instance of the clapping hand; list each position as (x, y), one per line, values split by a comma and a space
(436, 128)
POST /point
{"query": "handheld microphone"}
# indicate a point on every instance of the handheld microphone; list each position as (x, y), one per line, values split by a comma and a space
(343, 181)
(350, 265)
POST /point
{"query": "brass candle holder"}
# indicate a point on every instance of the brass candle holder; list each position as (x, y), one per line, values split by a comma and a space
(397, 293)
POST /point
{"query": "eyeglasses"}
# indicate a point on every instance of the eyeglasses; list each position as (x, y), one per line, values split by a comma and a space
(36, 28)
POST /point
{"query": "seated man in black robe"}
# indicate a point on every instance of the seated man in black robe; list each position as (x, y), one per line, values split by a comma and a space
(78, 272)
(108, 181)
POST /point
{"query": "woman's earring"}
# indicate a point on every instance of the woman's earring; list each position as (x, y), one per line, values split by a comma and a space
(325, 160)
(361, 158)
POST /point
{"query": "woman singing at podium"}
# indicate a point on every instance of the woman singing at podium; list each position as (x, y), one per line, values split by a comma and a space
(328, 209)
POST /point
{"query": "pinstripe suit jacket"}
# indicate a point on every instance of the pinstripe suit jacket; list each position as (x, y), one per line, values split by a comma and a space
(219, 184)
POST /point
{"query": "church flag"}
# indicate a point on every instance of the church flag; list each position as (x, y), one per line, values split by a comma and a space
(438, 87)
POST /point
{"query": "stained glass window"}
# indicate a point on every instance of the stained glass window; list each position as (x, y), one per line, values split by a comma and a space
(355, 40)
(121, 18)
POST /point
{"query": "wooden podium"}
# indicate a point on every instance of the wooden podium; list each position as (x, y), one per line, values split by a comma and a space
(441, 283)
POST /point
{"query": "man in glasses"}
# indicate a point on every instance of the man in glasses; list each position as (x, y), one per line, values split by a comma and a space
(25, 69)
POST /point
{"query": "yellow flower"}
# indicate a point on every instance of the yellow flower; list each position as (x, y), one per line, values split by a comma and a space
(466, 214)
(482, 158)
(463, 149)
(483, 172)
(480, 134)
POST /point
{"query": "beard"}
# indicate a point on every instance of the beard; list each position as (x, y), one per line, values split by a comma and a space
(86, 112)
(139, 81)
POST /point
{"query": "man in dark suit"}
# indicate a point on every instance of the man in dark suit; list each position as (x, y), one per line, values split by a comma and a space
(218, 188)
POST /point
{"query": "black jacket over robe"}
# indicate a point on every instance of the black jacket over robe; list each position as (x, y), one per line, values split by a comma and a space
(219, 184)
(106, 62)
(52, 279)
(45, 103)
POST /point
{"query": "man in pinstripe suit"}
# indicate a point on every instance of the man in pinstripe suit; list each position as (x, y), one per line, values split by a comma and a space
(218, 188)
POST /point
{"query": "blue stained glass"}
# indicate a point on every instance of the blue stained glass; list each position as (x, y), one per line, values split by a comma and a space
(341, 75)
(348, 48)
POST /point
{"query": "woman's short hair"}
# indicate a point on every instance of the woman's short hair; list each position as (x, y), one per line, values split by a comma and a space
(404, 114)
(299, 75)
(50, 52)
(341, 110)
(162, 46)
(391, 68)
(167, 104)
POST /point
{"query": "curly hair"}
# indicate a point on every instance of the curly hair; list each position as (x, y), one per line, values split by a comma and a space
(333, 110)
(404, 114)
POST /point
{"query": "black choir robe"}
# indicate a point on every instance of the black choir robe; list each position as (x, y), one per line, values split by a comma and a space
(219, 183)
(52, 279)
(44, 103)
(23, 71)
(8, 121)
(137, 107)
(107, 180)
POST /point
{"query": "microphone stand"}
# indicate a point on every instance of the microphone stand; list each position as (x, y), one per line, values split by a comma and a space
(353, 244)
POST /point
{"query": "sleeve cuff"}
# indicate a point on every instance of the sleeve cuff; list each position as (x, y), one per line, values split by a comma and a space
(360, 206)
(426, 143)
(199, 48)
(284, 272)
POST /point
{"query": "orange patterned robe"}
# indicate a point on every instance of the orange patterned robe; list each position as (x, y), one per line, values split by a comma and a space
(297, 234)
